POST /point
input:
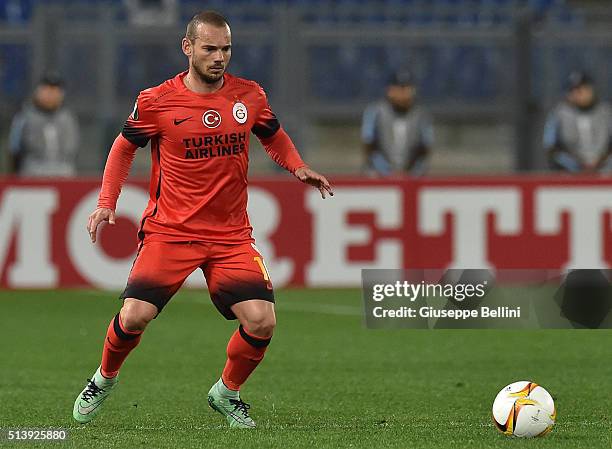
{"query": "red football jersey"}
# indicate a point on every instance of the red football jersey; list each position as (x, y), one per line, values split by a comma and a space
(200, 153)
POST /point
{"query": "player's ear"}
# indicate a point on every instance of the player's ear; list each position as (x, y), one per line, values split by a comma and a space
(186, 46)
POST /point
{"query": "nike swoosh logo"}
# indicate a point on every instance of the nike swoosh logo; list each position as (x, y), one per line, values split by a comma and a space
(179, 121)
(111, 343)
(89, 409)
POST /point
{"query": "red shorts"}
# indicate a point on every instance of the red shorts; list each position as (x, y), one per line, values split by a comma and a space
(234, 273)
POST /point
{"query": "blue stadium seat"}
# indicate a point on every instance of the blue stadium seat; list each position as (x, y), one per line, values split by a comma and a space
(14, 72)
(16, 11)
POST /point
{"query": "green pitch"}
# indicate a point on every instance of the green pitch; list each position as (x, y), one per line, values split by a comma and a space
(326, 380)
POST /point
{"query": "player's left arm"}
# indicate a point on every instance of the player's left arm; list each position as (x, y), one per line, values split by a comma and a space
(281, 150)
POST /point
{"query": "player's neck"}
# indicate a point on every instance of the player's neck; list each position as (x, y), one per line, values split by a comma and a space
(198, 86)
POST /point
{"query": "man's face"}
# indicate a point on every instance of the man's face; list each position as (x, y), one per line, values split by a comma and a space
(401, 97)
(210, 52)
(49, 97)
(582, 96)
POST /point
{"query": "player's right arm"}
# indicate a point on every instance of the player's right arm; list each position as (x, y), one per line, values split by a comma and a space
(137, 131)
(116, 171)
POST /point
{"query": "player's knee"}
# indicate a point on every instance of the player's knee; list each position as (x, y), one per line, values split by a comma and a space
(135, 314)
(134, 321)
(261, 325)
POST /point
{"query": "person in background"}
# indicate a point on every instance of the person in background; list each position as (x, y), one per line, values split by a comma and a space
(397, 134)
(44, 135)
(578, 130)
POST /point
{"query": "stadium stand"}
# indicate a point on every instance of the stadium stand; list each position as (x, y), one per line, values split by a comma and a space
(461, 52)
(446, 70)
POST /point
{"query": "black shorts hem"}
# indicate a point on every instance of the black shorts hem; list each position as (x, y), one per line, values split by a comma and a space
(150, 295)
(223, 303)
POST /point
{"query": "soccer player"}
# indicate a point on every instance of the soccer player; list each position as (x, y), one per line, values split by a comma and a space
(198, 124)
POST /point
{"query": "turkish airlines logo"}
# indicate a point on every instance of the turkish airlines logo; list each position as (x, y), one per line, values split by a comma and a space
(211, 119)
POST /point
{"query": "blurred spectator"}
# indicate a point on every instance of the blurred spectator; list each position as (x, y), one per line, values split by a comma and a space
(152, 12)
(397, 133)
(578, 130)
(44, 135)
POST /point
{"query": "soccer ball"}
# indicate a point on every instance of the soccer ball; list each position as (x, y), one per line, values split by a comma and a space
(524, 409)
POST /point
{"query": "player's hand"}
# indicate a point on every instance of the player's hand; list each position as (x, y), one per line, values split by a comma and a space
(311, 177)
(98, 216)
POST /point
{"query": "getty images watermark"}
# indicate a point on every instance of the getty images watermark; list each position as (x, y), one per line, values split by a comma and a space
(404, 290)
(435, 299)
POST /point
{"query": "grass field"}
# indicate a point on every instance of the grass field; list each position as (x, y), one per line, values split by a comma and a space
(326, 380)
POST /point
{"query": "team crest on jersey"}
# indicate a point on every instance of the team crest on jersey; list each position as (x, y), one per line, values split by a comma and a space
(239, 111)
(211, 119)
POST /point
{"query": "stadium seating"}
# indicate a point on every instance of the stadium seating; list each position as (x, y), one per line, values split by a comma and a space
(415, 12)
(444, 70)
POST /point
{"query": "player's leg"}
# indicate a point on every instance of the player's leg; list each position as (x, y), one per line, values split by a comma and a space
(248, 344)
(152, 282)
(240, 288)
(123, 335)
(245, 350)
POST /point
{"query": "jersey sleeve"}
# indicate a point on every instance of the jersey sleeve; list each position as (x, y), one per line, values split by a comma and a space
(141, 125)
(116, 171)
(266, 124)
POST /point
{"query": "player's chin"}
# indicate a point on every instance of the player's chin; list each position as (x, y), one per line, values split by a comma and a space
(215, 74)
